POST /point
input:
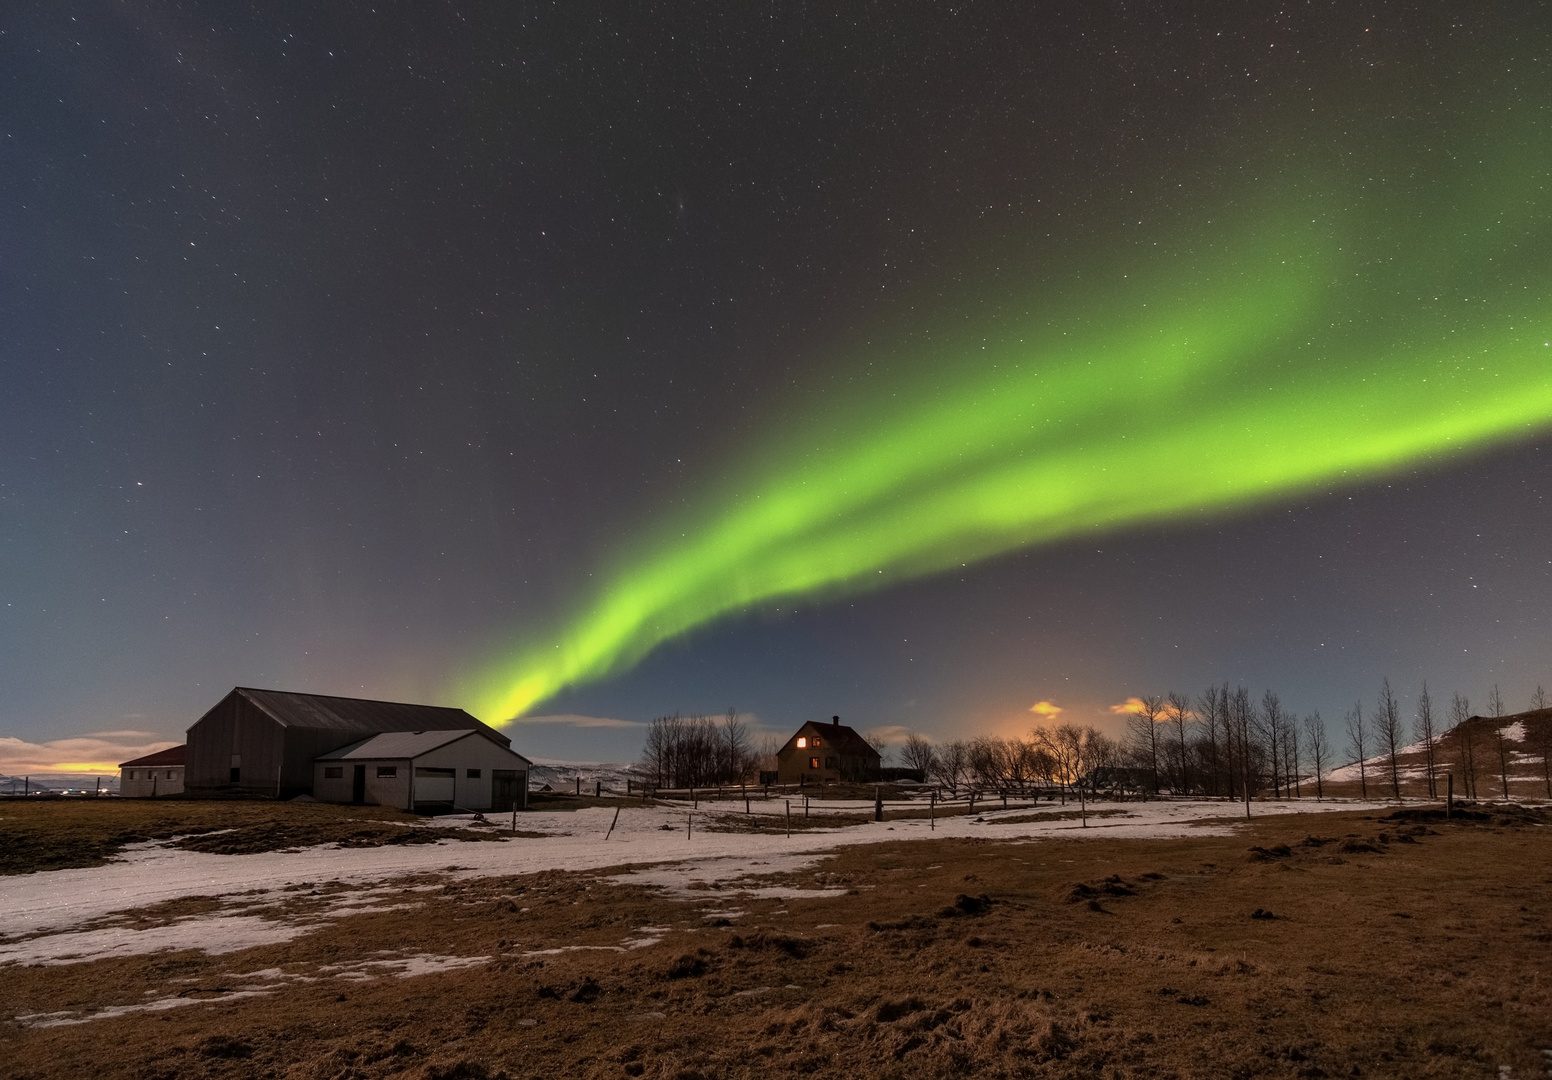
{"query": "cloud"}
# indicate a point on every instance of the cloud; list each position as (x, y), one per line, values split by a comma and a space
(1132, 706)
(99, 752)
(1046, 709)
(889, 733)
(573, 720)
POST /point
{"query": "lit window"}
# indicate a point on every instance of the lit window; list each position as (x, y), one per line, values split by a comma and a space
(802, 743)
(816, 740)
(813, 763)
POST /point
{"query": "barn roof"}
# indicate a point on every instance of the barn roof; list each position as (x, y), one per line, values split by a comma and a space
(324, 711)
(173, 755)
(400, 745)
(842, 739)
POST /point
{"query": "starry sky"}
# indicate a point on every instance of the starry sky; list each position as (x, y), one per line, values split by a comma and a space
(368, 349)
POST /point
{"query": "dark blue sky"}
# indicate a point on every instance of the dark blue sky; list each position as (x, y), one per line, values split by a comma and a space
(339, 343)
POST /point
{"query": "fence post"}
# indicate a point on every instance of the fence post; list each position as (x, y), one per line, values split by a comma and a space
(789, 819)
(579, 783)
(878, 803)
(932, 812)
(613, 823)
(689, 821)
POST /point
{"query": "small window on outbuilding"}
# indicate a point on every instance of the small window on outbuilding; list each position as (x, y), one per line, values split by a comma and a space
(387, 771)
(435, 774)
(472, 774)
(334, 772)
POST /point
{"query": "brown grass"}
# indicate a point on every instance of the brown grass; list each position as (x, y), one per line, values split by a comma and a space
(1376, 947)
(56, 834)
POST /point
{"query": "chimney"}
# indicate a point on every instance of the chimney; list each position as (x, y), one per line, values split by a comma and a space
(836, 720)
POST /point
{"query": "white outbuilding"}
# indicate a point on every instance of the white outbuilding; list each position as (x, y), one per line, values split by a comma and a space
(155, 774)
(409, 769)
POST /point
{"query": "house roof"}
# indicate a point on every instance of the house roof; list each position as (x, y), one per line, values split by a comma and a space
(324, 711)
(402, 745)
(173, 755)
(839, 737)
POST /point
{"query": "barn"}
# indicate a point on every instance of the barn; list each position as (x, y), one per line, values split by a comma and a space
(424, 770)
(266, 742)
(818, 752)
(155, 774)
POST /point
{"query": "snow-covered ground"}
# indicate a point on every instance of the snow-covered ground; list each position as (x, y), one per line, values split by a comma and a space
(64, 916)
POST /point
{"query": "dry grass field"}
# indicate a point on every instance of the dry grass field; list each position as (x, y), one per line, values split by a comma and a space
(1378, 948)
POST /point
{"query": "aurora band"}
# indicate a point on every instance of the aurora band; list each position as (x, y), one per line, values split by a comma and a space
(1307, 348)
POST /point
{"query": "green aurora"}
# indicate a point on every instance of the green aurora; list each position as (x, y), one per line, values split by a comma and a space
(1329, 331)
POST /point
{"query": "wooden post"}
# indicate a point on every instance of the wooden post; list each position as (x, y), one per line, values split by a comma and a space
(878, 803)
(613, 823)
(514, 815)
(598, 788)
(579, 783)
(805, 807)
(789, 819)
(689, 822)
(932, 812)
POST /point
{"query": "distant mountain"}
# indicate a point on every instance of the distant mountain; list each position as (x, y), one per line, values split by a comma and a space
(1479, 752)
(563, 775)
(55, 782)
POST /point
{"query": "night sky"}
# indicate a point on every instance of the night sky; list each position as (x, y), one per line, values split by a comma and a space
(377, 350)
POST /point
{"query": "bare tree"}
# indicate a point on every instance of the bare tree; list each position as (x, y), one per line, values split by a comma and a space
(1424, 730)
(1358, 745)
(1495, 706)
(1179, 713)
(1241, 719)
(1075, 751)
(1292, 765)
(737, 748)
(1538, 730)
(1315, 739)
(919, 754)
(1143, 726)
(1465, 742)
(1209, 709)
(952, 764)
(1271, 721)
(1387, 726)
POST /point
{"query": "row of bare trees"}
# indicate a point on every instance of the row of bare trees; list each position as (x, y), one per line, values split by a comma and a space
(1059, 757)
(699, 751)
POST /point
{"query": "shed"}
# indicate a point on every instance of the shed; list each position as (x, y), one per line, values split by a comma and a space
(264, 742)
(409, 769)
(818, 752)
(155, 774)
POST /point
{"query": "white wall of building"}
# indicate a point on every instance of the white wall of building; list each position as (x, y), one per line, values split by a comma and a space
(143, 782)
(471, 760)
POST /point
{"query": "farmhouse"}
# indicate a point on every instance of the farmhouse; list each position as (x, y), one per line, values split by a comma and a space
(155, 774)
(411, 769)
(266, 742)
(819, 752)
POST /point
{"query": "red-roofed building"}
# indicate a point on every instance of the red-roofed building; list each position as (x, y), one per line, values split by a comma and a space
(155, 774)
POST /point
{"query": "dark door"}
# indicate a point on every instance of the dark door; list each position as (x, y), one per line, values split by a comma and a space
(358, 785)
(503, 790)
